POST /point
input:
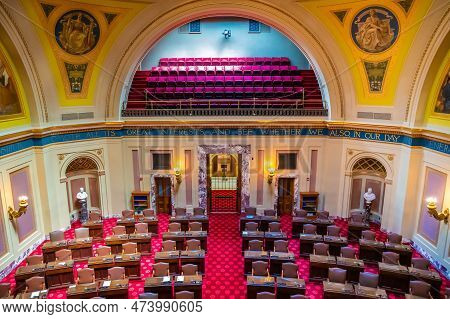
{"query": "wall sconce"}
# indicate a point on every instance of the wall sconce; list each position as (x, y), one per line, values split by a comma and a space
(271, 174)
(23, 204)
(227, 33)
(177, 172)
(432, 210)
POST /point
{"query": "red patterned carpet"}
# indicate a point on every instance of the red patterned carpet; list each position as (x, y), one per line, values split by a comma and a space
(224, 276)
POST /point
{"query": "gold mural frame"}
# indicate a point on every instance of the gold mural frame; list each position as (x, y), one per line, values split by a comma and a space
(431, 104)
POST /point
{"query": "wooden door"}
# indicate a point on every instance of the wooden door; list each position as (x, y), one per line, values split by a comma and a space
(285, 195)
(163, 195)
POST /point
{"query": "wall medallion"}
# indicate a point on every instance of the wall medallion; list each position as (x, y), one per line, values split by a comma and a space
(77, 32)
(375, 29)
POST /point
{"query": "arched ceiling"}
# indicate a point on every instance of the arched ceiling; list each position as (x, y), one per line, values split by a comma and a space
(325, 26)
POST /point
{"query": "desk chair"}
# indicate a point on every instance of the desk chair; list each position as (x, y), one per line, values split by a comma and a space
(35, 284)
(394, 238)
(348, 252)
(270, 212)
(85, 276)
(56, 235)
(174, 227)
(368, 235)
(280, 246)
(251, 226)
(199, 211)
(119, 230)
(323, 214)
(180, 211)
(299, 213)
(81, 233)
(420, 288)
(127, 213)
(184, 295)
(368, 279)
(255, 245)
(193, 244)
(161, 270)
(195, 226)
(63, 255)
(321, 249)
(129, 248)
(95, 216)
(420, 263)
(148, 212)
(148, 295)
(35, 260)
(357, 217)
(337, 275)
(289, 270)
(275, 227)
(116, 273)
(5, 290)
(189, 270)
(265, 295)
(310, 229)
(250, 211)
(169, 245)
(103, 251)
(333, 230)
(389, 257)
(141, 228)
(260, 268)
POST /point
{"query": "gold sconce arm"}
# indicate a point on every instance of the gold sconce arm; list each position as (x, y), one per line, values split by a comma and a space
(177, 172)
(23, 205)
(270, 175)
(432, 210)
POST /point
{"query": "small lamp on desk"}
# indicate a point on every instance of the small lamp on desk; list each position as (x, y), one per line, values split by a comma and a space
(432, 210)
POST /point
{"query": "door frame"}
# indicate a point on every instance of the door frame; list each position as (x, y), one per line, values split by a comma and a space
(154, 190)
(296, 178)
(293, 192)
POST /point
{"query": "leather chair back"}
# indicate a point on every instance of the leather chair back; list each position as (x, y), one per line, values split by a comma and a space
(390, 257)
(86, 276)
(298, 296)
(394, 238)
(260, 268)
(265, 295)
(95, 216)
(300, 213)
(184, 295)
(251, 226)
(103, 251)
(309, 229)
(148, 295)
(270, 212)
(199, 211)
(63, 255)
(255, 245)
(368, 279)
(141, 228)
(250, 211)
(420, 263)
(189, 270)
(289, 270)
(35, 284)
(357, 217)
(280, 246)
(180, 211)
(323, 214)
(195, 226)
(129, 248)
(127, 213)
(333, 230)
(119, 230)
(193, 244)
(160, 269)
(169, 245)
(148, 213)
(81, 233)
(174, 227)
(419, 288)
(35, 260)
(321, 249)
(275, 227)
(348, 252)
(56, 235)
(337, 275)
(368, 235)
(5, 290)
(116, 273)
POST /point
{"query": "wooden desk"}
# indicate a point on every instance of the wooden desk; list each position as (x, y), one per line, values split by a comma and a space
(199, 235)
(271, 237)
(298, 222)
(265, 220)
(405, 252)
(116, 242)
(353, 267)
(50, 248)
(256, 284)
(83, 291)
(297, 225)
(177, 236)
(81, 248)
(277, 259)
(152, 223)
(318, 266)
(431, 277)
(95, 229)
(246, 219)
(25, 272)
(287, 287)
(113, 289)
(355, 229)
(362, 292)
(409, 296)
(195, 257)
(371, 250)
(131, 263)
(129, 224)
(59, 274)
(189, 283)
(307, 242)
(33, 295)
(334, 290)
(251, 235)
(143, 241)
(322, 225)
(101, 264)
(250, 256)
(394, 277)
(335, 244)
(170, 257)
(185, 220)
(159, 285)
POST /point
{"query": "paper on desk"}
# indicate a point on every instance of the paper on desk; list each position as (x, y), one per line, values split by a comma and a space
(35, 294)
(166, 279)
(180, 278)
(107, 283)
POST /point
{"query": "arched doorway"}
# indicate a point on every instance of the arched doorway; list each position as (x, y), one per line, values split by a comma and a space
(83, 172)
(368, 173)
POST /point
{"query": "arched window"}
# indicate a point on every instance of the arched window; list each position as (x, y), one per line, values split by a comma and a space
(368, 173)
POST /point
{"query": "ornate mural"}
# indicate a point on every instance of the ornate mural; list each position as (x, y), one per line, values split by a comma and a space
(375, 29)
(9, 101)
(375, 72)
(77, 32)
(443, 100)
(75, 75)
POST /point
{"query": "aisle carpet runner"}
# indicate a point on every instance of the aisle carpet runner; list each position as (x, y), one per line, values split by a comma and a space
(224, 274)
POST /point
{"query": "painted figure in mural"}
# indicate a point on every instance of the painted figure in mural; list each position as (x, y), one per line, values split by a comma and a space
(77, 36)
(9, 103)
(369, 197)
(82, 200)
(443, 102)
(374, 34)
